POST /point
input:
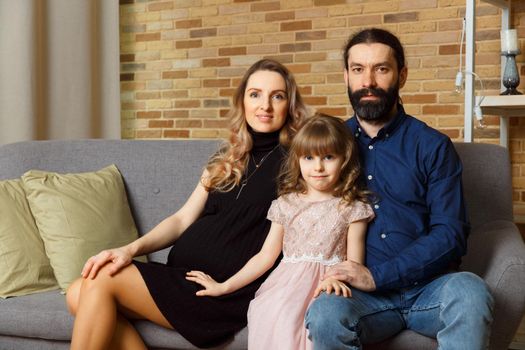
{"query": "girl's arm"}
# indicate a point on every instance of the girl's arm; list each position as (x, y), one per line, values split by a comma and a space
(253, 269)
(356, 240)
(355, 251)
(161, 236)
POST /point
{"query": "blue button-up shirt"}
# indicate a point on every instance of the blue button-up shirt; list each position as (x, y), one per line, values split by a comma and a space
(420, 228)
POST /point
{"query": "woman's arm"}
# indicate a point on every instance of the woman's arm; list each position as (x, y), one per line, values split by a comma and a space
(253, 269)
(161, 236)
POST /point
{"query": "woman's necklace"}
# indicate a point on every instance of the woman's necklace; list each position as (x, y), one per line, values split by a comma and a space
(257, 166)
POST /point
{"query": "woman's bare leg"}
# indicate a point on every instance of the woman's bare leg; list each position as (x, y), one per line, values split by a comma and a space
(99, 322)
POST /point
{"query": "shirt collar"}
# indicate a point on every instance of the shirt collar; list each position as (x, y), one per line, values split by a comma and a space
(386, 131)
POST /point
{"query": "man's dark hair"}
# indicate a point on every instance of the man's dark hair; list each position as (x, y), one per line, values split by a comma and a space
(376, 35)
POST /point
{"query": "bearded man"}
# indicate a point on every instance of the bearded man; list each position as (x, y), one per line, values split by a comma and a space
(414, 245)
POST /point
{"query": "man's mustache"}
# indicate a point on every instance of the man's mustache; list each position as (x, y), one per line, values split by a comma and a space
(376, 92)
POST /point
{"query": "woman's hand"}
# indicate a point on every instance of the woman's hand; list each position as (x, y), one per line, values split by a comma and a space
(211, 287)
(330, 285)
(116, 258)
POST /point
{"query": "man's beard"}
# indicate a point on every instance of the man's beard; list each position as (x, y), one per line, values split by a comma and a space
(376, 111)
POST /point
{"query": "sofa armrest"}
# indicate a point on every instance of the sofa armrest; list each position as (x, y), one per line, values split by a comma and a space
(496, 252)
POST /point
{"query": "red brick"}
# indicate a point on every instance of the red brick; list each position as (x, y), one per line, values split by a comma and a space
(328, 2)
(216, 124)
(201, 33)
(227, 92)
(175, 94)
(281, 58)
(297, 25)
(148, 37)
(216, 62)
(265, 6)
(176, 74)
(440, 109)
(159, 6)
(149, 134)
(315, 100)
(216, 83)
(143, 95)
(307, 36)
(295, 47)
(148, 115)
(300, 68)
(188, 123)
(450, 49)
(452, 133)
(188, 44)
(160, 124)
(176, 114)
(130, 57)
(420, 98)
(336, 112)
(188, 23)
(401, 17)
(127, 76)
(232, 51)
(187, 104)
(279, 16)
(177, 134)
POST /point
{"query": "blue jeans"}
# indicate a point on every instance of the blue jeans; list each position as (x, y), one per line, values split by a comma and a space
(455, 308)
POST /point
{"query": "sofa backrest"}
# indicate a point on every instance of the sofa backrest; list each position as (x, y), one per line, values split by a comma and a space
(487, 182)
(160, 175)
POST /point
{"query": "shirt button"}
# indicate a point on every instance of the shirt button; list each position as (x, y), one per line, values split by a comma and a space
(383, 236)
(356, 134)
(370, 147)
(376, 206)
(369, 177)
(387, 135)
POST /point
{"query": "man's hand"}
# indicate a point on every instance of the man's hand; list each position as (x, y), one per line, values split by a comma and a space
(355, 274)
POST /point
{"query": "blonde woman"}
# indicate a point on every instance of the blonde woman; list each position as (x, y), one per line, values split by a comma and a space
(220, 227)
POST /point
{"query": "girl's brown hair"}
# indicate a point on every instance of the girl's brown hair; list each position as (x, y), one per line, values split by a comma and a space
(225, 168)
(323, 135)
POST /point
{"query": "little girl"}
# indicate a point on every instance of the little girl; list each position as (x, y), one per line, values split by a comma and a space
(319, 220)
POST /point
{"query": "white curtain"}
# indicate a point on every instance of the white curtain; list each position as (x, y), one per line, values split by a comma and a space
(59, 69)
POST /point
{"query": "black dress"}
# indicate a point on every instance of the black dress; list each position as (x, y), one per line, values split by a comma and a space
(229, 232)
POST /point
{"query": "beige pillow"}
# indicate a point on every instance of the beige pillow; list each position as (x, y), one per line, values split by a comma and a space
(78, 215)
(24, 266)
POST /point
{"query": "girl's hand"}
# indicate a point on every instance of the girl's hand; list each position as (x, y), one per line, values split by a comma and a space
(330, 285)
(211, 287)
(117, 258)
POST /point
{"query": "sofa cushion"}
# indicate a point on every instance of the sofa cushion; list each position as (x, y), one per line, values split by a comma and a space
(41, 315)
(78, 215)
(24, 266)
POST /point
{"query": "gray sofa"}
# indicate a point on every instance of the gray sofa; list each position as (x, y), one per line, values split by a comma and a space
(159, 176)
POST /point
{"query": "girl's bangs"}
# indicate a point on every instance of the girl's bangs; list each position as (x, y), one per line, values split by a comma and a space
(318, 142)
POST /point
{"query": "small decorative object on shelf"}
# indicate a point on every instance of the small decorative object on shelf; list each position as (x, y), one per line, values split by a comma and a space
(509, 49)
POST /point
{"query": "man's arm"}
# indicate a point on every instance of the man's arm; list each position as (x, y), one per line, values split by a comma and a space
(446, 240)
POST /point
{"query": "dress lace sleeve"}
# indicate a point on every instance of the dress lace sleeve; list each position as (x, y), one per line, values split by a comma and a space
(276, 213)
(359, 211)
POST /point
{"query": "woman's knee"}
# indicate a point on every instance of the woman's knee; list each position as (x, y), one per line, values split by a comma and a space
(73, 296)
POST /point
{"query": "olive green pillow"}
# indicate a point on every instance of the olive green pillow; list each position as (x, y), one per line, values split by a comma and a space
(24, 266)
(78, 215)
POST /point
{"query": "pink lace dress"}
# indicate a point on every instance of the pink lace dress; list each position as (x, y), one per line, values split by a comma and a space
(314, 239)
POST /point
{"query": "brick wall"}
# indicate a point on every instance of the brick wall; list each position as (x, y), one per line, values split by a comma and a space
(181, 60)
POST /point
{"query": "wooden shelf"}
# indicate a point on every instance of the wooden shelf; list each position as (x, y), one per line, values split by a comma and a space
(505, 106)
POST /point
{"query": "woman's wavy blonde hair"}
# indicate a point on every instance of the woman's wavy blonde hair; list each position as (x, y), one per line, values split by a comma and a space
(323, 135)
(226, 168)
